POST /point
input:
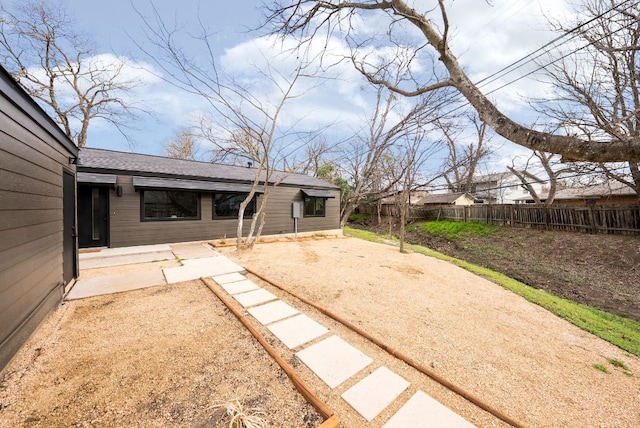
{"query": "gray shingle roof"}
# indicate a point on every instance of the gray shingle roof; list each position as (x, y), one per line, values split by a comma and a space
(99, 160)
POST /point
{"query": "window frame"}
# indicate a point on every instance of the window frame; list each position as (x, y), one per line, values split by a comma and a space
(242, 195)
(314, 198)
(143, 217)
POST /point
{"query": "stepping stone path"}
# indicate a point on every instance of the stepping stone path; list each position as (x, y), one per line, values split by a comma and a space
(331, 358)
(334, 360)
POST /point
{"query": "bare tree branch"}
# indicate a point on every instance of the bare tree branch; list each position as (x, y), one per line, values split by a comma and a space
(305, 18)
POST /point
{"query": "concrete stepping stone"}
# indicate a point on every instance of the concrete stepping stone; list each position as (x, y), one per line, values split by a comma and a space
(125, 259)
(423, 411)
(271, 312)
(115, 283)
(121, 251)
(193, 250)
(239, 287)
(252, 298)
(297, 331)
(375, 392)
(196, 268)
(333, 360)
(229, 277)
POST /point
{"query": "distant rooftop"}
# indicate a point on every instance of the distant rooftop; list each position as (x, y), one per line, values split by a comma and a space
(99, 160)
(442, 198)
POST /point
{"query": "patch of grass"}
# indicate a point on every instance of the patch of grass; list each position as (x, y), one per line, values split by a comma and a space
(485, 249)
(617, 363)
(358, 217)
(600, 367)
(620, 331)
(621, 365)
(453, 230)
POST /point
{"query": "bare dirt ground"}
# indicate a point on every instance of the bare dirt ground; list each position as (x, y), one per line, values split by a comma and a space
(165, 356)
(517, 356)
(158, 357)
(602, 271)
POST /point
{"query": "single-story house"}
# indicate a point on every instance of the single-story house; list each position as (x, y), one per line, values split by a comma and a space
(38, 246)
(459, 198)
(127, 199)
(613, 193)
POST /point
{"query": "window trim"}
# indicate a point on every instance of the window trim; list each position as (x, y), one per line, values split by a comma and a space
(254, 201)
(324, 206)
(145, 219)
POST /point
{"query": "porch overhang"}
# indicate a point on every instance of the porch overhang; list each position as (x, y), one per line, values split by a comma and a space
(183, 184)
(91, 178)
(318, 193)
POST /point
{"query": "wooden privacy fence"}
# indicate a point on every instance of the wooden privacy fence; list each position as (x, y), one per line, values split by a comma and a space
(622, 220)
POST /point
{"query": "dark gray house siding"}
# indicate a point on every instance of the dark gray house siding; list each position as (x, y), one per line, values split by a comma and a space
(37, 246)
(126, 228)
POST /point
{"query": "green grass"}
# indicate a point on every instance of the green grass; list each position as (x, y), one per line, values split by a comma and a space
(620, 331)
(358, 217)
(453, 230)
(600, 367)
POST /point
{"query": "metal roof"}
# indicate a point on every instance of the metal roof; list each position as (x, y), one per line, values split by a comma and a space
(315, 193)
(85, 177)
(177, 183)
(108, 161)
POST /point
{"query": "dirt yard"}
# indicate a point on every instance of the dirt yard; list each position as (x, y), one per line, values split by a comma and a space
(166, 356)
(159, 357)
(602, 271)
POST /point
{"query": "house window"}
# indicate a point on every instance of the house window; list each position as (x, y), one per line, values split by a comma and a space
(227, 205)
(170, 205)
(314, 207)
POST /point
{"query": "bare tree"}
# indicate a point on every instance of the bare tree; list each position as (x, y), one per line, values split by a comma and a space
(410, 159)
(241, 120)
(369, 150)
(553, 171)
(316, 156)
(182, 146)
(463, 157)
(597, 83)
(309, 19)
(58, 67)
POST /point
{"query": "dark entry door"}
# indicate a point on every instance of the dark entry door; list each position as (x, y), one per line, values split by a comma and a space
(70, 268)
(93, 216)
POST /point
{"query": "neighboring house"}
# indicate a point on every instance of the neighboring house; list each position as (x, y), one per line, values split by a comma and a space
(459, 198)
(502, 188)
(613, 193)
(129, 199)
(37, 216)
(388, 206)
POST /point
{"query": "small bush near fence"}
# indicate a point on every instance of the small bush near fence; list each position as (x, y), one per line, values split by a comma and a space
(622, 220)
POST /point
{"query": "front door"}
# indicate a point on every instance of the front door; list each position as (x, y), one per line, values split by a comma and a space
(93, 216)
(69, 264)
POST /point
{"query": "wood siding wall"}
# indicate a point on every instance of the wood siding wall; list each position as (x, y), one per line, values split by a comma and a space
(31, 225)
(126, 229)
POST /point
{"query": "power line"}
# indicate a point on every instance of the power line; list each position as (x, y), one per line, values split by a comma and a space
(572, 33)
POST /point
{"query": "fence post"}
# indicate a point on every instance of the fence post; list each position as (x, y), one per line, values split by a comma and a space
(546, 217)
(465, 213)
(592, 221)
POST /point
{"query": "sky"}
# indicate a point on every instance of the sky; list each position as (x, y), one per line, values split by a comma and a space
(486, 36)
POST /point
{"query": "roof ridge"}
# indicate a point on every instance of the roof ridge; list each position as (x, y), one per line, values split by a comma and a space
(188, 160)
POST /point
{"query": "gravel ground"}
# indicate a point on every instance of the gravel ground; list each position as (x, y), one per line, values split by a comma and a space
(165, 356)
(516, 356)
(159, 357)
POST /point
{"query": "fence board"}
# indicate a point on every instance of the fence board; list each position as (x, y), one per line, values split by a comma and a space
(621, 220)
